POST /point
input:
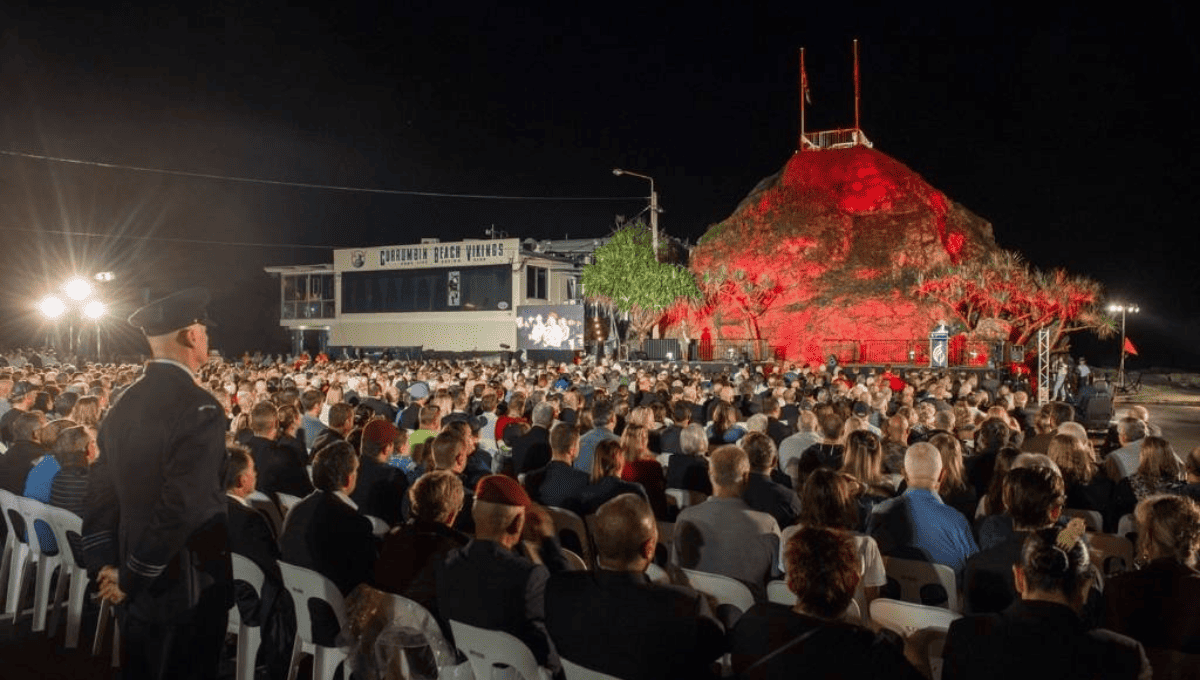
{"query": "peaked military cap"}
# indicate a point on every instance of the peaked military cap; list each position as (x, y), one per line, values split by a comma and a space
(173, 312)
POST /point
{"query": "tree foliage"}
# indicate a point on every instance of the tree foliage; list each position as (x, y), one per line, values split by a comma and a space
(625, 275)
(1002, 286)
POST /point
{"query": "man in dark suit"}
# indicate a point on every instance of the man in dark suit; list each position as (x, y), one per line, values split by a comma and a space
(532, 450)
(251, 535)
(681, 414)
(325, 532)
(776, 429)
(16, 463)
(280, 469)
(761, 492)
(616, 621)
(559, 483)
(381, 488)
(155, 532)
(341, 423)
(487, 584)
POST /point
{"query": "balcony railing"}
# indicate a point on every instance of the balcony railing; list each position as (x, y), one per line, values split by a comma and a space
(834, 139)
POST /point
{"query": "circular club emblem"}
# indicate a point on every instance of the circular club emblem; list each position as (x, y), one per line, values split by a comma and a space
(358, 259)
(502, 305)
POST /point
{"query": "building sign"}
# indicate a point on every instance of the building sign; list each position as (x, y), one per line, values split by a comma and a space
(550, 327)
(428, 255)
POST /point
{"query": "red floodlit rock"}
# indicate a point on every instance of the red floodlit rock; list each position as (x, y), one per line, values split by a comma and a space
(824, 255)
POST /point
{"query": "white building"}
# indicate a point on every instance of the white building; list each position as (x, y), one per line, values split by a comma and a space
(460, 296)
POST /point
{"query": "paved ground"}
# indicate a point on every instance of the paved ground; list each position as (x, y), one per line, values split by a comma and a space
(1173, 400)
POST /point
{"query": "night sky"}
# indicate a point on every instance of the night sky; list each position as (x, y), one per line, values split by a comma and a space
(1069, 129)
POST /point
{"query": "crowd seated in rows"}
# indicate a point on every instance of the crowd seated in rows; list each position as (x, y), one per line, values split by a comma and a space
(413, 490)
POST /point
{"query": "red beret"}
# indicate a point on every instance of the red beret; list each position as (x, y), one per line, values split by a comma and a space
(380, 431)
(502, 490)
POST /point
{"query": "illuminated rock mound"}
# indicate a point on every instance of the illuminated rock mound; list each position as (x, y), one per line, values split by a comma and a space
(825, 253)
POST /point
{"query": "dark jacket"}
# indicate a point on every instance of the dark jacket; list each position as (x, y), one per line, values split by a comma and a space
(557, 484)
(621, 624)
(380, 490)
(156, 499)
(531, 450)
(598, 493)
(280, 469)
(410, 559)
(777, 500)
(325, 534)
(1035, 640)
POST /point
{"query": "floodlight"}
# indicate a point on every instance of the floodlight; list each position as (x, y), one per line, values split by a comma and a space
(78, 289)
(51, 307)
(105, 276)
(94, 309)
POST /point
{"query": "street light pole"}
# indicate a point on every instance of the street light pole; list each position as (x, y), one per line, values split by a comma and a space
(653, 207)
(1123, 309)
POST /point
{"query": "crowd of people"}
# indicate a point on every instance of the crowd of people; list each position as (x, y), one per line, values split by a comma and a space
(431, 480)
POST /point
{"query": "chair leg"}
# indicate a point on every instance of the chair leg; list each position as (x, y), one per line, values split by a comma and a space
(325, 662)
(57, 601)
(16, 580)
(41, 592)
(247, 649)
(101, 626)
(75, 602)
(6, 566)
(297, 652)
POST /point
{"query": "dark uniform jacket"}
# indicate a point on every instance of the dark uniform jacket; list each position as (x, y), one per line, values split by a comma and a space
(156, 502)
(280, 469)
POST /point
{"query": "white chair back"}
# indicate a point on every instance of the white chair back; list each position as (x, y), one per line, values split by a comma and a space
(248, 637)
(287, 501)
(906, 618)
(1126, 526)
(574, 561)
(569, 522)
(912, 575)
(304, 585)
(486, 649)
(65, 525)
(1115, 553)
(16, 551)
(574, 671)
(779, 593)
(1092, 518)
(378, 526)
(726, 590)
(45, 552)
(657, 574)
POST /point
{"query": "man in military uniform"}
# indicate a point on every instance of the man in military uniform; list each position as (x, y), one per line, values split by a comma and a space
(155, 533)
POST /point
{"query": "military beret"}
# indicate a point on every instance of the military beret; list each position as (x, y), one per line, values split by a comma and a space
(175, 311)
(501, 490)
(380, 431)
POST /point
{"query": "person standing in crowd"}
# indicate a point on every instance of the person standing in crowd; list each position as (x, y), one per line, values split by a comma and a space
(155, 534)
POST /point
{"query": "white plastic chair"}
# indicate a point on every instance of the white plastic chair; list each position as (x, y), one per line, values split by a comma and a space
(378, 526)
(574, 671)
(906, 618)
(287, 501)
(913, 574)
(664, 459)
(47, 558)
(18, 551)
(486, 649)
(657, 574)
(65, 523)
(248, 637)
(574, 561)
(726, 590)
(304, 585)
(1126, 525)
(568, 521)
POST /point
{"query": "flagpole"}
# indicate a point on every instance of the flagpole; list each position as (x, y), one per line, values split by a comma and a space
(803, 92)
(857, 126)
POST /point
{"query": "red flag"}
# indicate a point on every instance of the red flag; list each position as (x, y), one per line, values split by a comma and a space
(1129, 348)
(804, 91)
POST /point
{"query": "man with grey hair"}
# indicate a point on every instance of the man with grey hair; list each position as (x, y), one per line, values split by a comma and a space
(917, 524)
(532, 450)
(1124, 461)
(723, 535)
(615, 620)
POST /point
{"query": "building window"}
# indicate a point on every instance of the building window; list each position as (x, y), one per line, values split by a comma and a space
(307, 296)
(427, 290)
(535, 283)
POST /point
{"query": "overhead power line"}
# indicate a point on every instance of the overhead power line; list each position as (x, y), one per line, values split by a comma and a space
(171, 239)
(310, 185)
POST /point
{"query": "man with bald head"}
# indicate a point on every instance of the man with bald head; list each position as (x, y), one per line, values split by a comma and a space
(724, 535)
(917, 524)
(616, 621)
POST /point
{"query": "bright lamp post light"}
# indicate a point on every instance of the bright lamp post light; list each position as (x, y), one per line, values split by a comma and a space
(80, 300)
(52, 307)
(1122, 309)
(78, 289)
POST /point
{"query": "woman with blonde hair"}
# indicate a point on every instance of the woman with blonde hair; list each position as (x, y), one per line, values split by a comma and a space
(1156, 604)
(1087, 488)
(1159, 471)
(955, 490)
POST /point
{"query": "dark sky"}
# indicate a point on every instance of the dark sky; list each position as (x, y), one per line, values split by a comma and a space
(1069, 129)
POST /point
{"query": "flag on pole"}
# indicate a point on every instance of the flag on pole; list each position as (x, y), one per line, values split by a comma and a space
(804, 91)
(1129, 348)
